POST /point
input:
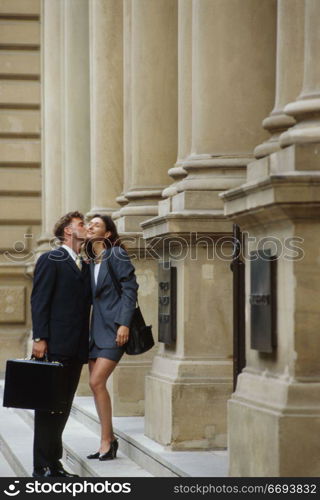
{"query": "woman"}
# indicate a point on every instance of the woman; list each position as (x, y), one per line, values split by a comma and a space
(111, 317)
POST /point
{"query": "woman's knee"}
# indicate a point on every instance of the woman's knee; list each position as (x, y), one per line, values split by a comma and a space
(97, 385)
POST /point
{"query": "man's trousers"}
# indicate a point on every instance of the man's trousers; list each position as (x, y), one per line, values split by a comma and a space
(49, 426)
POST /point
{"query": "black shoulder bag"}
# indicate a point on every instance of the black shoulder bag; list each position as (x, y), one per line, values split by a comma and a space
(140, 335)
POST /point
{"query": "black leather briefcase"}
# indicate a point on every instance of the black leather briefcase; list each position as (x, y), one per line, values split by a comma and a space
(36, 385)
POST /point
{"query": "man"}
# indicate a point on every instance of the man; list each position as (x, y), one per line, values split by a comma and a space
(60, 304)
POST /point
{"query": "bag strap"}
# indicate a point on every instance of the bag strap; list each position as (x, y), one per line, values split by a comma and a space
(115, 280)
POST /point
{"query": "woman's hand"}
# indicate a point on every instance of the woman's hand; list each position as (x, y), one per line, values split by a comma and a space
(39, 349)
(122, 335)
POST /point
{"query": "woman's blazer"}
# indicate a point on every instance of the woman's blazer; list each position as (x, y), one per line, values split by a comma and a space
(109, 309)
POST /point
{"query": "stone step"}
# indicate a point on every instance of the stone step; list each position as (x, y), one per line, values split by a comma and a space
(153, 457)
(78, 442)
(138, 455)
(16, 442)
(5, 468)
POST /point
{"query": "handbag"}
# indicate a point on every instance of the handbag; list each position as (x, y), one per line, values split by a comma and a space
(36, 385)
(140, 335)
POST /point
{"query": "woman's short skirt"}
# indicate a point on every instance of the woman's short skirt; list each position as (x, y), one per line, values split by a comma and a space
(113, 353)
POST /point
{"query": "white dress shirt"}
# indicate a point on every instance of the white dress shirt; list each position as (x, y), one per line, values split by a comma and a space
(70, 251)
(96, 272)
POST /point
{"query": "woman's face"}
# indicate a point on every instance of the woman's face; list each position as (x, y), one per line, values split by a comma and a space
(96, 230)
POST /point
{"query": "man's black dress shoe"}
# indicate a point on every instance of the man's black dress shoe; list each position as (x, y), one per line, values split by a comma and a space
(50, 472)
(61, 472)
(43, 472)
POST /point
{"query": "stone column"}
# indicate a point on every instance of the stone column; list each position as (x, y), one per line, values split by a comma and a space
(274, 414)
(191, 380)
(150, 146)
(52, 119)
(127, 125)
(76, 130)
(221, 147)
(152, 111)
(289, 71)
(306, 109)
(106, 88)
(184, 100)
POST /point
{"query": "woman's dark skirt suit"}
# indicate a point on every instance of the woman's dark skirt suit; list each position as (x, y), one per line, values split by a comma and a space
(110, 310)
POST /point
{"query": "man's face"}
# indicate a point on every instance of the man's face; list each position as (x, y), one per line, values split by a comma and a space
(77, 229)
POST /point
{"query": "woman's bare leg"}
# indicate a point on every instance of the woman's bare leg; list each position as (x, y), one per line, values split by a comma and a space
(100, 370)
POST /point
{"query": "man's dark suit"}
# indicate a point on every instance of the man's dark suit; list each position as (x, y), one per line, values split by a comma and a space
(60, 305)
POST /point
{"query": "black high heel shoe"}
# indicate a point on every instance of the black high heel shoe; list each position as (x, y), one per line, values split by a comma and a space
(114, 444)
(108, 455)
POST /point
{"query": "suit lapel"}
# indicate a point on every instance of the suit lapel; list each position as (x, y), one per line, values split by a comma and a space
(93, 283)
(103, 272)
(69, 260)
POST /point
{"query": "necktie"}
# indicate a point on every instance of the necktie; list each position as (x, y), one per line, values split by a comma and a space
(79, 261)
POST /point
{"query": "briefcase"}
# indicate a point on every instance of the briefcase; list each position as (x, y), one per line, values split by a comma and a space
(36, 385)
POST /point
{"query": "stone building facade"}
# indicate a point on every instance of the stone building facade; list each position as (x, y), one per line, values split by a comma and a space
(178, 118)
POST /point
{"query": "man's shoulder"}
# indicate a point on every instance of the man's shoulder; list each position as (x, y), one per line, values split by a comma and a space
(53, 255)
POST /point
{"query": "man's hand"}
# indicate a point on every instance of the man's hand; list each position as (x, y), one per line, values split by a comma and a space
(39, 349)
(122, 335)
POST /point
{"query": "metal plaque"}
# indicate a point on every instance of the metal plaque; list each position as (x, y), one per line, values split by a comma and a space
(167, 302)
(263, 300)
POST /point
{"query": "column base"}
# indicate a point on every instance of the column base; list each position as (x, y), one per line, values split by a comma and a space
(273, 427)
(188, 412)
(127, 387)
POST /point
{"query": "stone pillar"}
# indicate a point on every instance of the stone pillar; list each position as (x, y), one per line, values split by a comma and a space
(106, 88)
(184, 100)
(306, 109)
(221, 147)
(191, 380)
(289, 71)
(274, 414)
(52, 120)
(76, 131)
(151, 107)
(150, 146)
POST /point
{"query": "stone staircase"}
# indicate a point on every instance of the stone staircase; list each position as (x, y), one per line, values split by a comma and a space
(138, 456)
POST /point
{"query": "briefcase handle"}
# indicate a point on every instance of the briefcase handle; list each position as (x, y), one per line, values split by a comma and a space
(45, 358)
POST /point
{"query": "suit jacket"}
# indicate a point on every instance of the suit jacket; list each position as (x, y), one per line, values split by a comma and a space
(109, 309)
(60, 304)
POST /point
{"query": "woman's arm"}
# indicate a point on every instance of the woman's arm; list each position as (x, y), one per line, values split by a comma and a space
(125, 274)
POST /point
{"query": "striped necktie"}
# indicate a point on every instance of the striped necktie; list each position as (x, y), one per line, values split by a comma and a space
(79, 261)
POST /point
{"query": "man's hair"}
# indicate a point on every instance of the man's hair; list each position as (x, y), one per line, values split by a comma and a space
(64, 221)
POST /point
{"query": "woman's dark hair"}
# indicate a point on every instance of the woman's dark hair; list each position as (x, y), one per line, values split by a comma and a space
(113, 240)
